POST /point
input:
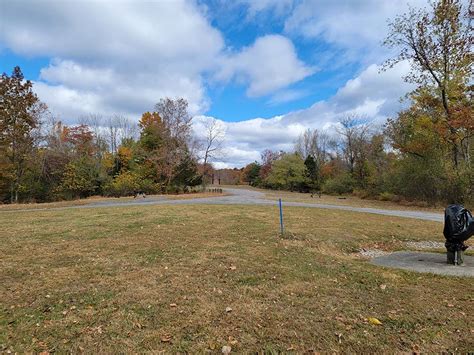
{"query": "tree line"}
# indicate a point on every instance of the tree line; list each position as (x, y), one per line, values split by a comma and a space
(42, 159)
(425, 152)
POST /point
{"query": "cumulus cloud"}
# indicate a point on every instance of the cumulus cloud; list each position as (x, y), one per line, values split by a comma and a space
(372, 94)
(117, 56)
(354, 26)
(114, 55)
(271, 63)
(279, 7)
(287, 95)
(121, 57)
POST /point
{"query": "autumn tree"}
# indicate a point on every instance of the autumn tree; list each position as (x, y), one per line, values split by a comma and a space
(354, 133)
(437, 42)
(250, 174)
(164, 139)
(315, 143)
(20, 112)
(267, 157)
(82, 173)
(176, 118)
(435, 133)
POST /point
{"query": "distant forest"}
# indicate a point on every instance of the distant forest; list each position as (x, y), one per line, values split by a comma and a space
(424, 153)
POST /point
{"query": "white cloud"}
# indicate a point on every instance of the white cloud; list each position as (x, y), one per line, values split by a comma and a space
(278, 7)
(271, 63)
(287, 95)
(372, 94)
(357, 27)
(124, 55)
(114, 55)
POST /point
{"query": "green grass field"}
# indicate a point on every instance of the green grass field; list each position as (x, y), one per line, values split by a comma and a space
(196, 278)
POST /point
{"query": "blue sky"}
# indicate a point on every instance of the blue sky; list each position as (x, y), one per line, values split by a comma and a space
(296, 63)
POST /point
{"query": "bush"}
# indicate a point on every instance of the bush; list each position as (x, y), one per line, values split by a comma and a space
(386, 196)
(124, 184)
(128, 183)
(363, 194)
(342, 184)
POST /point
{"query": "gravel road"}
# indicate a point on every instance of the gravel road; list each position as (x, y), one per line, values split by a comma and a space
(249, 197)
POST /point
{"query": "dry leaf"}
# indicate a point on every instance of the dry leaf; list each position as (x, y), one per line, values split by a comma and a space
(383, 287)
(166, 338)
(374, 321)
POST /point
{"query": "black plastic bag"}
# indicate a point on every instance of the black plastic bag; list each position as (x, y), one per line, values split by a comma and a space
(458, 227)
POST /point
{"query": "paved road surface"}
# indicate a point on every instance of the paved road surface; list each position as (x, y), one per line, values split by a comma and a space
(250, 197)
(434, 263)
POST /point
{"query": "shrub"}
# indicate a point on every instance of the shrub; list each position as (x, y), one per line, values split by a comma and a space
(124, 184)
(342, 184)
(363, 194)
(386, 196)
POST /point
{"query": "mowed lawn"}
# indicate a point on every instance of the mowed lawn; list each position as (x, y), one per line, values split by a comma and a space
(196, 278)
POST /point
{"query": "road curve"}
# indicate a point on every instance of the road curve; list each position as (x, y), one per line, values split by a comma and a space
(246, 197)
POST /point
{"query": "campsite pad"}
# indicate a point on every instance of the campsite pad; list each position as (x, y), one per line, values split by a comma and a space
(426, 262)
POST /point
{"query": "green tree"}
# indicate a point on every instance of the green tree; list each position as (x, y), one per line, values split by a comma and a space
(20, 112)
(80, 179)
(186, 173)
(438, 43)
(288, 172)
(251, 174)
(313, 174)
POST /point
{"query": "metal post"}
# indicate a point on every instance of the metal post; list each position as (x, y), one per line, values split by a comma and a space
(281, 217)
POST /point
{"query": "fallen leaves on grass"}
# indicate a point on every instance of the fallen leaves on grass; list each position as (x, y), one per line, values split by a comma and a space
(374, 321)
(166, 338)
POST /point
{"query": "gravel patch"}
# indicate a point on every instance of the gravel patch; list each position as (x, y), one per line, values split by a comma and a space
(425, 245)
(372, 253)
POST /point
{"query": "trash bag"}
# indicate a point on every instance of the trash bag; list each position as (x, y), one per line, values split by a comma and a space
(458, 227)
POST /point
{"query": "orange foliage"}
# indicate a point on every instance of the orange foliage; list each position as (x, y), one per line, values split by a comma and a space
(150, 119)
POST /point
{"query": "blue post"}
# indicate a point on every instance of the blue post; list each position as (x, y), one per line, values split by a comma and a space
(281, 217)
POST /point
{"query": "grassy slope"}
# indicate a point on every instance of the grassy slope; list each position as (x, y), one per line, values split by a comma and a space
(347, 200)
(108, 279)
(94, 199)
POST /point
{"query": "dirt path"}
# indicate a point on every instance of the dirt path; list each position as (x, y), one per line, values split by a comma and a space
(247, 197)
